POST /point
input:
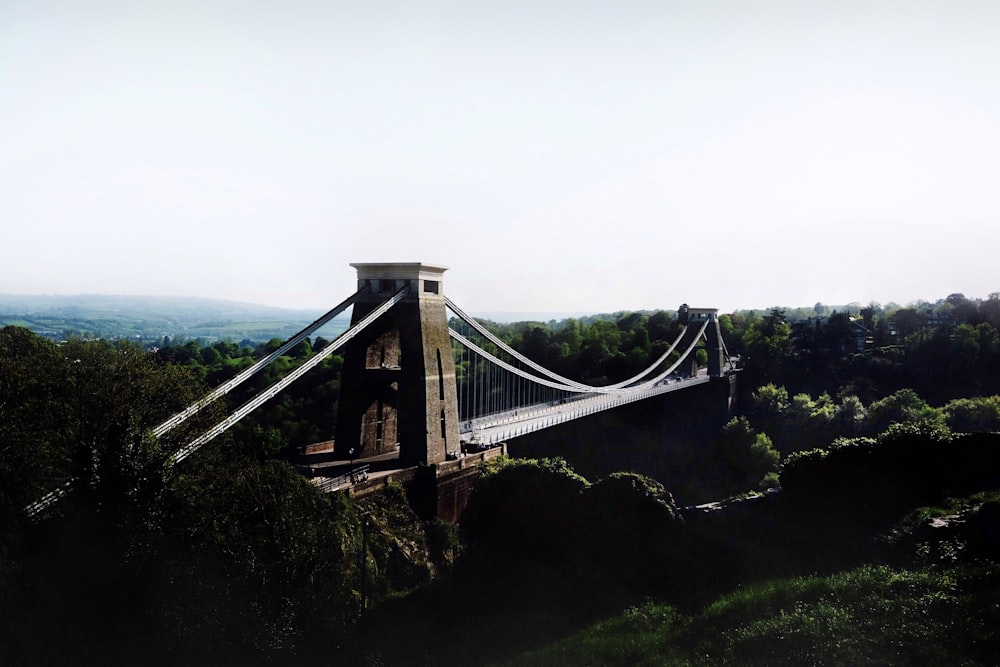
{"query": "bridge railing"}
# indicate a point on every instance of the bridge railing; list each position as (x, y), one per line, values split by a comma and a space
(358, 474)
(490, 430)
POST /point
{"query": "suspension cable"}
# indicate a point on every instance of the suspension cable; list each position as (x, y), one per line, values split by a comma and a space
(576, 387)
(231, 384)
(52, 496)
(274, 389)
(566, 383)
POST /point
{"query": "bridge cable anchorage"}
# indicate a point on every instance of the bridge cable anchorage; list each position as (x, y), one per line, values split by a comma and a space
(277, 387)
(565, 382)
(231, 384)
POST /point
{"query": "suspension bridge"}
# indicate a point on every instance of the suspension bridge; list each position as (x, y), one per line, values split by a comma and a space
(427, 383)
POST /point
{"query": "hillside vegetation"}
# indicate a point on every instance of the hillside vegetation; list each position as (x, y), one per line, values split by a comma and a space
(849, 515)
(879, 552)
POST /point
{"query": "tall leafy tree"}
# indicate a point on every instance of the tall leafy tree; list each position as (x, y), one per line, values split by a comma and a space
(34, 417)
(768, 346)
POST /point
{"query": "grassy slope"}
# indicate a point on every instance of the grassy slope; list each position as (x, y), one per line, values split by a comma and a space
(937, 603)
(824, 576)
(872, 615)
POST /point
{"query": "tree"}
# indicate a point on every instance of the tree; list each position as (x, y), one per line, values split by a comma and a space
(570, 338)
(902, 407)
(255, 556)
(770, 400)
(990, 310)
(907, 321)
(849, 417)
(661, 326)
(303, 350)
(973, 415)
(742, 457)
(34, 438)
(535, 344)
(768, 347)
(601, 342)
(619, 512)
(839, 335)
(524, 501)
(210, 356)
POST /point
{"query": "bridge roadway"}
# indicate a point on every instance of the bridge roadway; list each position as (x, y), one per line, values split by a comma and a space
(502, 426)
(484, 433)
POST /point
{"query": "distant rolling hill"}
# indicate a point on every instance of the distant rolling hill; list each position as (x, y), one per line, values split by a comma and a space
(150, 318)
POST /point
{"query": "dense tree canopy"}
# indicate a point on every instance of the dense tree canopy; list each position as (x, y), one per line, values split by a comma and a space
(942, 350)
(227, 557)
(236, 556)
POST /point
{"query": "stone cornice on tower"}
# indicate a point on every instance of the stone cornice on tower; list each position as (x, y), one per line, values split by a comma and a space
(399, 270)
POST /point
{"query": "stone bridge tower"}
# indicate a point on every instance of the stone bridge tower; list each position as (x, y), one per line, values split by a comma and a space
(713, 338)
(400, 371)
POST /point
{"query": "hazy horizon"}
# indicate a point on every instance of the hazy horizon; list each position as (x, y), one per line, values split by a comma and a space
(556, 156)
(497, 315)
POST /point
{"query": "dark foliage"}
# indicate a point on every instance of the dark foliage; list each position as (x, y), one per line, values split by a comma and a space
(904, 467)
(231, 557)
(236, 559)
(942, 350)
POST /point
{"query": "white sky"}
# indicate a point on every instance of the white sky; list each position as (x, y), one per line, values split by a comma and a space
(558, 156)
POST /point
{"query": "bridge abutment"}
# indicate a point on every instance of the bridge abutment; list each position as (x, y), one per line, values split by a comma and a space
(438, 490)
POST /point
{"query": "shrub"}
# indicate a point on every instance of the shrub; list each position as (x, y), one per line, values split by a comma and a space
(524, 509)
(903, 407)
(907, 465)
(631, 525)
(973, 415)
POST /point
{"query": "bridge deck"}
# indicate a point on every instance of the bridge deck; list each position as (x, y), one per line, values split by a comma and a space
(504, 426)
